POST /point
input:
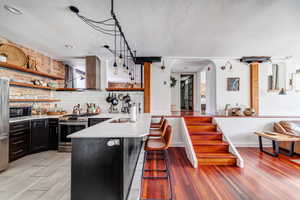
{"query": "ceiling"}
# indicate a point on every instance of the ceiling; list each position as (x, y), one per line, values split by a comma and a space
(189, 65)
(189, 28)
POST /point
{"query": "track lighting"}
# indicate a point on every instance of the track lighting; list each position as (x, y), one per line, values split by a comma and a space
(112, 27)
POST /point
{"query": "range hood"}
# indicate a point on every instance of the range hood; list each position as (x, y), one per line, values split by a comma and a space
(93, 72)
(83, 73)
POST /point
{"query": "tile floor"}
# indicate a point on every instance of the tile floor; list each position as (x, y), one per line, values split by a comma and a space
(43, 176)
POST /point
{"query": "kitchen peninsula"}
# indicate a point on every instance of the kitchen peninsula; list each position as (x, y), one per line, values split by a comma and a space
(104, 157)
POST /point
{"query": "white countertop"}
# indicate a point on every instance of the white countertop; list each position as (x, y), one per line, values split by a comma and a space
(33, 117)
(116, 130)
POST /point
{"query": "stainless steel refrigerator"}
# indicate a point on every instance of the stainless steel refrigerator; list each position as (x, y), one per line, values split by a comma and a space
(4, 123)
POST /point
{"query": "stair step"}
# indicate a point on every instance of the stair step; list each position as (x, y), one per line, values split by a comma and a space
(217, 161)
(198, 124)
(210, 146)
(210, 142)
(215, 155)
(201, 137)
(206, 133)
(198, 119)
(202, 128)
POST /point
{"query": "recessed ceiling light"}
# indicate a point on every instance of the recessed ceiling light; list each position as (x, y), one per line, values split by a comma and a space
(13, 10)
(69, 46)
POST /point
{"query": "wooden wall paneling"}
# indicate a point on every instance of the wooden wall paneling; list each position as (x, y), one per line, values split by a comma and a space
(147, 87)
(254, 86)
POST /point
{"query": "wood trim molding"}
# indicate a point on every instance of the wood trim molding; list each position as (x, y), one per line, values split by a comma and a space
(147, 87)
(254, 86)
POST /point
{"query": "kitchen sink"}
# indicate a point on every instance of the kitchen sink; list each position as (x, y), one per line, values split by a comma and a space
(122, 120)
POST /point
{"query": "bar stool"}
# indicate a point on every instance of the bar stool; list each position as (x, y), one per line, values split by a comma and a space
(160, 147)
(157, 125)
(159, 132)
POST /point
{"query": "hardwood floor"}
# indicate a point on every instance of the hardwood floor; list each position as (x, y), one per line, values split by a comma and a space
(264, 177)
(43, 176)
(46, 176)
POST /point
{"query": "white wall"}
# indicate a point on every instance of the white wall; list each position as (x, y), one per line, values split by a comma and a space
(197, 92)
(270, 103)
(122, 76)
(240, 130)
(223, 97)
(175, 92)
(160, 89)
(211, 89)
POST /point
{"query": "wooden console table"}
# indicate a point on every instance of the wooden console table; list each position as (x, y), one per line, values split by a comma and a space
(276, 138)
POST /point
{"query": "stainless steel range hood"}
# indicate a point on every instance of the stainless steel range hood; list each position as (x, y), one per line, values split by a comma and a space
(83, 73)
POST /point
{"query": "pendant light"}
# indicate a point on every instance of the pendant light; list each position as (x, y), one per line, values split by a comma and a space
(115, 52)
(120, 56)
(125, 56)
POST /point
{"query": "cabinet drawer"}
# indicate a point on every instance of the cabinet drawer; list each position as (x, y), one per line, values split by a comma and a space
(53, 122)
(15, 154)
(16, 142)
(18, 147)
(19, 126)
(18, 133)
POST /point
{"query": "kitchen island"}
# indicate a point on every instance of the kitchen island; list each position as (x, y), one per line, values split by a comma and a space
(104, 157)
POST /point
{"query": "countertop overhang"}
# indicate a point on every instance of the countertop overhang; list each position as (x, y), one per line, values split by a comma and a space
(106, 129)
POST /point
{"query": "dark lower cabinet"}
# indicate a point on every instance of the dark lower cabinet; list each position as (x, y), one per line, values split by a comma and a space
(94, 121)
(53, 134)
(103, 168)
(19, 134)
(39, 137)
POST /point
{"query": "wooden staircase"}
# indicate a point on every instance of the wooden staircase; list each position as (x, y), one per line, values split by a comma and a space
(207, 142)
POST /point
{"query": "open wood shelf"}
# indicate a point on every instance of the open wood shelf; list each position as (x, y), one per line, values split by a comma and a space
(66, 89)
(125, 89)
(23, 69)
(20, 84)
(29, 85)
(34, 100)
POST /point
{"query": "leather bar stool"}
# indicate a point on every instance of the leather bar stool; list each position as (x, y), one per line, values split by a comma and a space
(159, 132)
(157, 125)
(159, 146)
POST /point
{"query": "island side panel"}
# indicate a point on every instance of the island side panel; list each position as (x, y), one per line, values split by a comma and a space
(131, 152)
(96, 171)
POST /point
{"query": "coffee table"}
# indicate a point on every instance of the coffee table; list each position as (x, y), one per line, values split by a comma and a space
(276, 138)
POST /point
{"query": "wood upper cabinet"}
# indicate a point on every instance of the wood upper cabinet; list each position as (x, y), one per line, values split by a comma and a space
(39, 137)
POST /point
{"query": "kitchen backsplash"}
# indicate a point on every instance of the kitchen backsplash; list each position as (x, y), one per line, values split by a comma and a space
(69, 99)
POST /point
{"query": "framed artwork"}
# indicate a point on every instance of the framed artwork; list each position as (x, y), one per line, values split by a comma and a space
(233, 84)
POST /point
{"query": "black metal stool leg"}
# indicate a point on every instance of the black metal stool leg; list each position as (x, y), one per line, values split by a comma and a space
(275, 146)
(291, 150)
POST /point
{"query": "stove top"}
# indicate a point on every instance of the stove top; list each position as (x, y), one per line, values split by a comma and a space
(77, 118)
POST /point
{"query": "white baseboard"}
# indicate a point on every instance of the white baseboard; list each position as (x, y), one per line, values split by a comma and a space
(252, 145)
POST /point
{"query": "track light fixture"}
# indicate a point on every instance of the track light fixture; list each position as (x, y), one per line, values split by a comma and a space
(111, 27)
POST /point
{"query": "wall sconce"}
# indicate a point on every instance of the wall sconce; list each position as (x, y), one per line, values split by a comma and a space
(163, 67)
(227, 65)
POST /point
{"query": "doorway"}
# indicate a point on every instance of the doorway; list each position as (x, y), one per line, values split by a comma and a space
(187, 92)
